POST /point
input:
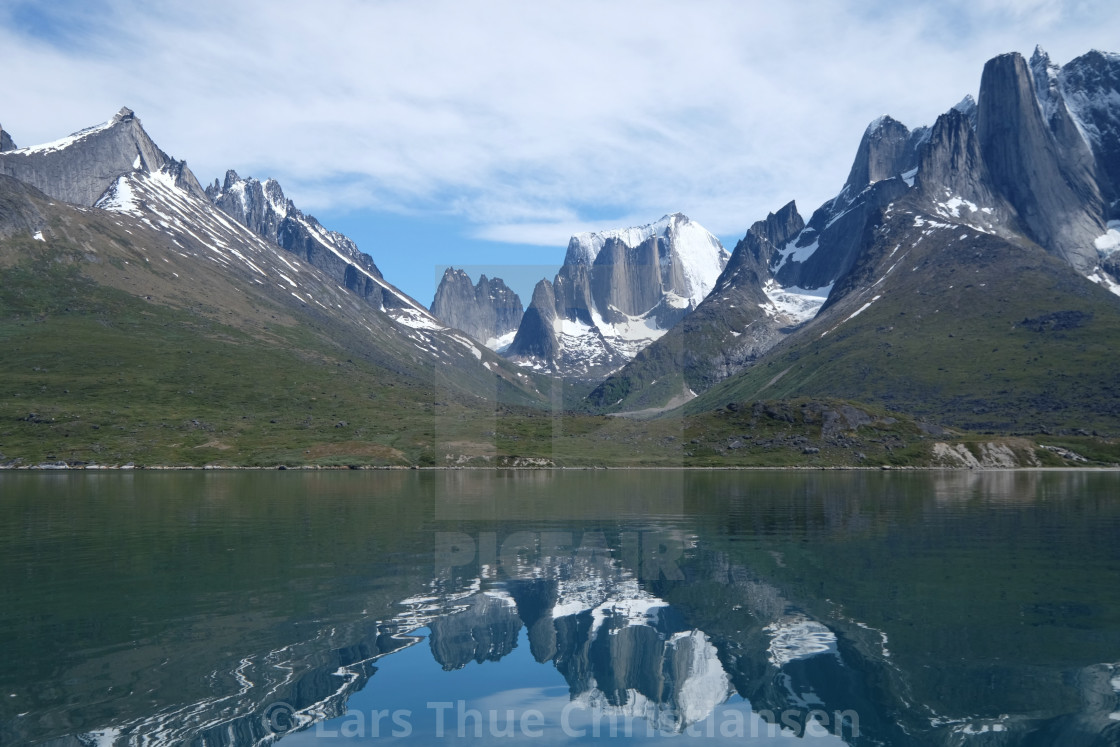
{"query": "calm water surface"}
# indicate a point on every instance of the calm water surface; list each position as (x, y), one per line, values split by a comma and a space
(560, 608)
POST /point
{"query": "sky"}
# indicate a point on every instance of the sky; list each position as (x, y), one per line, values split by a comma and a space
(483, 134)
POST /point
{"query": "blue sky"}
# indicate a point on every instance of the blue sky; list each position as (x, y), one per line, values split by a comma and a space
(437, 132)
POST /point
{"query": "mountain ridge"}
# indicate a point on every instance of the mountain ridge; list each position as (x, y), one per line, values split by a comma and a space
(1016, 164)
(617, 291)
(489, 311)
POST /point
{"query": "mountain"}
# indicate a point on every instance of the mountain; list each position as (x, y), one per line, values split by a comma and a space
(744, 316)
(6, 141)
(489, 311)
(979, 296)
(80, 168)
(263, 209)
(616, 292)
(171, 320)
(778, 276)
(1019, 164)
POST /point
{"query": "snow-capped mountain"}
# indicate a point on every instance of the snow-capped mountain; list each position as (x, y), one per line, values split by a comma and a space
(617, 292)
(79, 168)
(1035, 161)
(263, 208)
(488, 311)
(1036, 157)
(260, 241)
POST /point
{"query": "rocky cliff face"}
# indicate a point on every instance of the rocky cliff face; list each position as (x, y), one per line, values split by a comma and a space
(18, 213)
(80, 168)
(827, 246)
(489, 311)
(154, 232)
(6, 141)
(743, 317)
(1035, 161)
(536, 336)
(617, 292)
(1090, 86)
(888, 148)
(262, 208)
(1037, 158)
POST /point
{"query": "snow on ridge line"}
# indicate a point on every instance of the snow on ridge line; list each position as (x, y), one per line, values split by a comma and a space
(123, 197)
(63, 142)
(323, 237)
(698, 255)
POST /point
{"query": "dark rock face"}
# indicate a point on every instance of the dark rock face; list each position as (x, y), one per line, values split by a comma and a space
(732, 328)
(536, 335)
(485, 311)
(487, 630)
(749, 265)
(18, 215)
(1037, 159)
(6, 141)
(80, 168)
(1090, 85)
(882, 171)
(831, 240)
(618, 291)
(1036, 162)
(628, 278)
(952, 164)
(887, 149)
(263, 209)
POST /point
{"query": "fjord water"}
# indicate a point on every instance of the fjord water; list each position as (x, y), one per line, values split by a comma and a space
(560, 607)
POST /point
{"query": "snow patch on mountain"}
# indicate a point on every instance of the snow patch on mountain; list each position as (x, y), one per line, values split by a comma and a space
(500, 343)
(1109, 242)
(791, 252)
(1103, 279)
(120, 198)
(799, 304)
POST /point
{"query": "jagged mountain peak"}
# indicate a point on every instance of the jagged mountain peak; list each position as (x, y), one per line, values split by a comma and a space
(6, 142)
(269, 188)
(1040, 57)
(881, 124)
(617, 291)
(83, 166)
(967, 107)
(1027, 161)
(1039, 159)
(888, 148)
(488, 311)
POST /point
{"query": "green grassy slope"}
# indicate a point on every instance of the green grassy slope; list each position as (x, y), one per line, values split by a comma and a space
(116, 349)
(958, 327)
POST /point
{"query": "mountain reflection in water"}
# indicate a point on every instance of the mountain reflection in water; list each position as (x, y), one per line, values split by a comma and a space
(868, 609)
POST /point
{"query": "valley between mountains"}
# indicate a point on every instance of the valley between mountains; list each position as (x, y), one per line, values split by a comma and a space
(956, 304)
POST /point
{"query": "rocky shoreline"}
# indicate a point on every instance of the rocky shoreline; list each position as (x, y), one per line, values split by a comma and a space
(63, 467)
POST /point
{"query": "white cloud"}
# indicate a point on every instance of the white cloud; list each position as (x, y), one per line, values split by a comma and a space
(527, 119)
